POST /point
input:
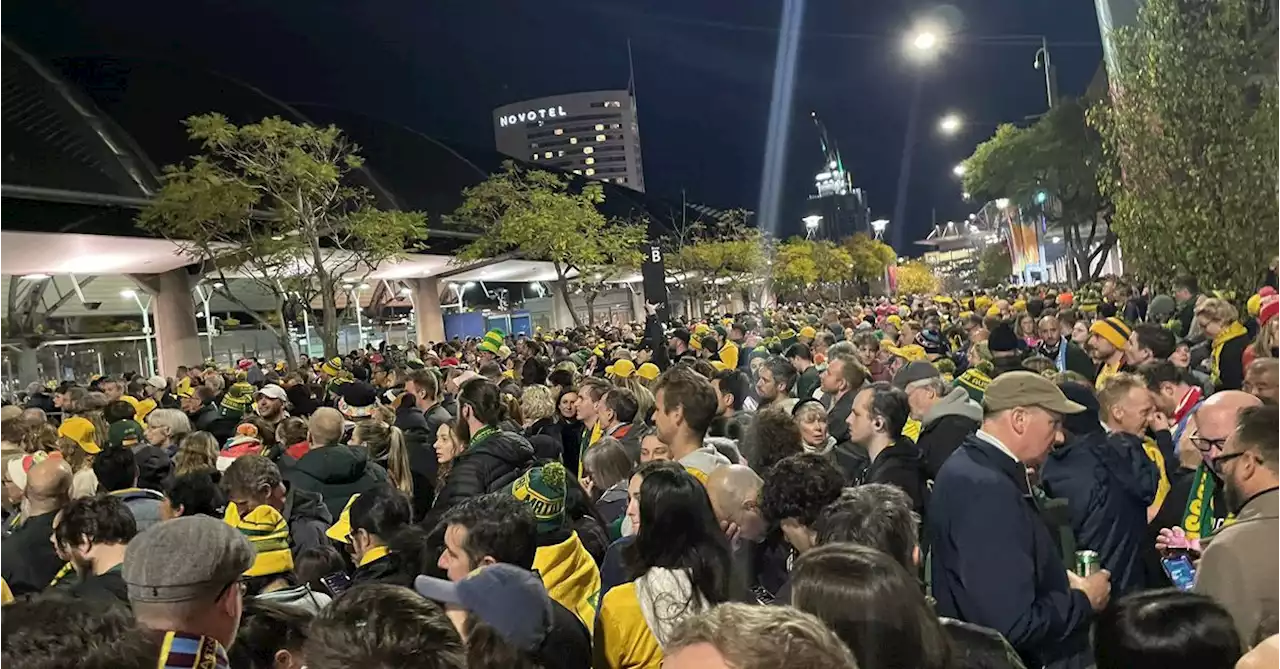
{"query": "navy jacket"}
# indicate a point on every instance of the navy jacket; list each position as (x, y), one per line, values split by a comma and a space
(1108, 482)
(994, 561)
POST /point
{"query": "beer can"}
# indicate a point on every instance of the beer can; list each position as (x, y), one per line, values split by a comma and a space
(1087, 563)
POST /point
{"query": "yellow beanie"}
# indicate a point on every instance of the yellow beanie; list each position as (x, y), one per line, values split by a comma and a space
(1113, 330)
(265, 528)
(1253, 305)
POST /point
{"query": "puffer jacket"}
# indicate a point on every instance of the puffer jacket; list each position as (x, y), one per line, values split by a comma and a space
(483, 467)
(1108, 481)
(902, 465)
(336, 472)
(944, 426)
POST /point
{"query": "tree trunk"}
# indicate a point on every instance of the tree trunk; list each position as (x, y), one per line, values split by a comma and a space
(590, 298)
(562, 284)
(290, 356)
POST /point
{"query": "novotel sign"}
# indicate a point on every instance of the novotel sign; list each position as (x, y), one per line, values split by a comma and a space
(531, 115)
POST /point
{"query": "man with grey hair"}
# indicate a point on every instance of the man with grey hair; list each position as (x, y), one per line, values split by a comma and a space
(947, 416)
(183, 578)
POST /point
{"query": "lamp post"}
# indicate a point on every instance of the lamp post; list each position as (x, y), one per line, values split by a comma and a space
(146, 327)
(1044, 62)
(921, 45)
(811, 223)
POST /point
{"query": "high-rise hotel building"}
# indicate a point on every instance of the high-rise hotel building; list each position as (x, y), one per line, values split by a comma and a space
(593, 134)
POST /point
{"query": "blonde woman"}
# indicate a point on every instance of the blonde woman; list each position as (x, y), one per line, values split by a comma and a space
(84, 483)
(538, 407)
(166, 428)
(197, 452)
(1220, 322)
(644, 397)
(387, 447)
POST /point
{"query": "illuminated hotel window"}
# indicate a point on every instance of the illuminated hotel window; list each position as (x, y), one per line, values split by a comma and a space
(577, 171)
(590, 171)
(573, 140)
(599, 126)
(615, 126)
(599, 138)
(588, 150)
(590, 161)
(535, 156)
(560, 153)
(604, 178)
(559, 131)
(546, 155)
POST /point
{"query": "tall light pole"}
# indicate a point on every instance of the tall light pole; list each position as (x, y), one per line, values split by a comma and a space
(811, 223)
(1044, 62)
(146, 327)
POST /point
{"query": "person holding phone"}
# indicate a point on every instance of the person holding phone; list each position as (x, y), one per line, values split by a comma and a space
(1240, 566)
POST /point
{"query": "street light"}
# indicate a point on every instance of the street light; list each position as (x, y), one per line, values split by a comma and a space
(146, 326)
(1002, 203)
(1056, 239)
(811, 224)
(950, 124)
(36, 276)
(924, 40)
(958, 170)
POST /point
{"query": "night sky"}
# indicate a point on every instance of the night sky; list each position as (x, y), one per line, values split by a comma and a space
(703, 74)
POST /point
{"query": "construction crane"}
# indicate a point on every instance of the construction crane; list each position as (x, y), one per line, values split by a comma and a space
(832, 180)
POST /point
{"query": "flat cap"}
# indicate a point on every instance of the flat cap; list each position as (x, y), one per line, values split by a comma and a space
(184, 559)
(1027, 389)
(918, 370)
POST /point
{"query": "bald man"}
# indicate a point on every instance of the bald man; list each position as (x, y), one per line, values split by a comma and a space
(28, 561)
(735, 493)
(1188, 523)
(1262, 379)
(1065, 354)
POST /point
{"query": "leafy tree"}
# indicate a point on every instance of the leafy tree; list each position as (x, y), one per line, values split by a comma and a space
(1052, 166)
(621, 256)
(994, 265)
(1192, 130)
(273, 202)
(915, 278)
(869, 257)
(708, 258)
(794, 268)
(543, 216)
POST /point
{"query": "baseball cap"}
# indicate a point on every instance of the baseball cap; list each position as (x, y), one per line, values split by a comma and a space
(158, 382)
(1027, 389)
(680, 333)
(185, 559)
(918, 370)
(273, 391)
(622, 369)
(124, 433)
(511, 600)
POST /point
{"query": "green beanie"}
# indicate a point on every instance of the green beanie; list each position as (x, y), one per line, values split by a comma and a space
(542, 489)
(493, 341)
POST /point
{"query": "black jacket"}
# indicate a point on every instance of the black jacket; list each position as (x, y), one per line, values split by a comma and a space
(336, 472)
(981, 505)
(483, 467)
(567, 644)
(308, 519)
(1231, 364)
(1108, 483)
(571, 438)
(108, 587)
(420, 428)
(204, 417)
(838, 416)
(852, 460)
(389, 569)
(807, 382)
(1078, 360)
(944, 426)
(27, 559)
(302, 400)
(901, 465)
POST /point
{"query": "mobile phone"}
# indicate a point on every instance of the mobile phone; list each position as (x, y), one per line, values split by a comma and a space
(1180, 570)
(336, 583)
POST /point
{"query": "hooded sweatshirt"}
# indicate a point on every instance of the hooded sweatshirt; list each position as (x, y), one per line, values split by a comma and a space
(703, 461)
(308, 519)
(946, 424)
(571, 577)
(298, 597)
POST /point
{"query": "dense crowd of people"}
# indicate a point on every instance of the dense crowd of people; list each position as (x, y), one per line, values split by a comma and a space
(1002, 479)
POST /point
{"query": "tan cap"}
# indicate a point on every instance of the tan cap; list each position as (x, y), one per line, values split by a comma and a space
(1027, 389)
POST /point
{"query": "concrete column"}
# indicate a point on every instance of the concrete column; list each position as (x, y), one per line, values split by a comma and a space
(426, 309)
(173, 316)
(637, 302)
(561, 316)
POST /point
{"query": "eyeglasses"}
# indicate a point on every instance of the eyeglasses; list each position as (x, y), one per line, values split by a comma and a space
(1205, 445)
(1223, 459)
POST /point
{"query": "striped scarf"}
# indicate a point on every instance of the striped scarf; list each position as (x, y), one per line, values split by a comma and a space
(191, 651)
